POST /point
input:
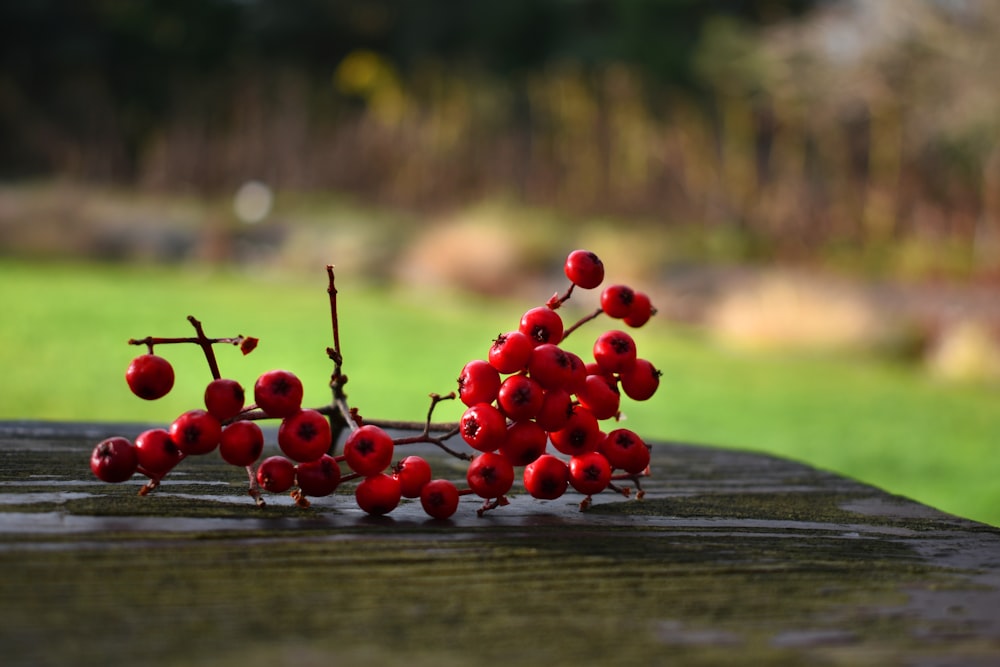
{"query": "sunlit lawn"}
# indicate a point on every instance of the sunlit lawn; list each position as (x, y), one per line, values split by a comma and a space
(63, 352)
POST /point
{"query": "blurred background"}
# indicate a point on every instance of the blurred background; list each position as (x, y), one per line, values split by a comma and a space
(808, 189)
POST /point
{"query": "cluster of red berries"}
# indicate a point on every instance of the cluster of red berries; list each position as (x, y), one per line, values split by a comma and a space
(528, 393)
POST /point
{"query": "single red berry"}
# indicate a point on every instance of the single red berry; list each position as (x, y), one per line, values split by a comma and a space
(224, 398)
(114, 460)
(555, 410)
(640, 311)
(581, 434)
(318, 478)
(276, 474)
(157, 452)
(626, 450)
(589, 473)
(413, 472)
(378, 494)
(150, 376)
(614, 351)
(278, 393)
(241, 443)
(542, 325)
(511, 352)
(546, 477)
(584, 269)
(439, 498)
(490, 475)
(368, 450)
(196, 432)
(600, 395)
(550, 366)
(478, 383)
(305, 435)
(483, 427)
(520, 397)
(641, 381)
(616, 300)
(525, 442)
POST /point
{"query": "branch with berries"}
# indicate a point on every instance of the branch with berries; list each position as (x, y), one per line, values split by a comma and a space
(531, 404)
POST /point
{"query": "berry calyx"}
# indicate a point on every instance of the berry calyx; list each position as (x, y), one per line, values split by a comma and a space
(439, 498)
(241, 443)
(584, 269)
(224, 398)
(304, 436)
(114, 460)
(378, 494)
(546, 478)
(278, 393)
(150, 376)
(368, 450)
(276, 474)
(196, 432)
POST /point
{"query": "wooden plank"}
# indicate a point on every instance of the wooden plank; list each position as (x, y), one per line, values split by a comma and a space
(731, 558)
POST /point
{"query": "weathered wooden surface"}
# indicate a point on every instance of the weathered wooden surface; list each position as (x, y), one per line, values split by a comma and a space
(732, 558)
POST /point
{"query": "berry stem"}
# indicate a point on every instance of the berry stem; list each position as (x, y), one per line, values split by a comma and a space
(583, 320)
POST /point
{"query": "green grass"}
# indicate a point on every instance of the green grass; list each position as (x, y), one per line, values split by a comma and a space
(63, 354)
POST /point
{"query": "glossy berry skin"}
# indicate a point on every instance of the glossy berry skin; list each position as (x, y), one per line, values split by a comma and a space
(413, 472)
(304, 436)
(616, 300)
(581, 434)
(626, 450)
(542, 325)
(546, 478)
(196, 432)
(276, 474)
(490, 475)
(600, 395)
(640, 311)
(278, 393)
(478, 383)
(114, 460)
(318, 478)
(525, 442)
(614, 351)
(550, 366)
(439, 498)
(510, 352)
(368, 450)
(520, 397)
(589, 473)
(157, 453)
(378, 494)
(150, 376)
(483, 427)
(224, 398)
(641, 381)
(584, 269)
(241, 443)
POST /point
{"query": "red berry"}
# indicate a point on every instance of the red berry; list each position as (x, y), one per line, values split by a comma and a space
(584, 269)
(600, 396)
(157, 452)
(150, 377)
(318, 478)
(368, 450)
(278, 393)
(626, 450)
(589, 473)
(641, 381)
(196, 432)
(525, 442)
(114, 460)
(305, 435)
(483, 427)
(640, 311)
(614, 351)
(224, 398)
(520, 397)
(616, 300)
(478, 383)
(555, 410)
(439, 498)
(490, 475)
(542, 325)
(581, 434)
(511, 352)
(546, 477)
(241, 443)
(413, 472)
(378, 494)
(276, 474)
(550, 366)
